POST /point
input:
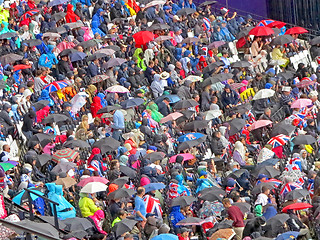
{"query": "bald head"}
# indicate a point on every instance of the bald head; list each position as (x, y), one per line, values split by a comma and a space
(6, 148)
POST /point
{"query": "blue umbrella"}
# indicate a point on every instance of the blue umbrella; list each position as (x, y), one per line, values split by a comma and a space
(268, 162)
(288, 235)
(165, 236)
(22, 197)
(77, 56)
(56, 2)
(173, 98)
(190, 136)
(154, 186)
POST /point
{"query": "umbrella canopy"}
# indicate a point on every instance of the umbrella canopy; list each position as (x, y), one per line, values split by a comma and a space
(76, 143)
(305, 83)
(165, 236)
(113, 62)
(277, 24)
(189, 144)
(270, 171)
(131, 173)
(263, 93)
(301, 103)
(63, 167)
(50, 220)
(186, 157)
(172, 97)
(130, 103)
(185, 11)
(260, 124)
(99, 78)
(281, 40)
(10, 58)
(29, 14)
(197, 124)
(159, 26)
(206, 3)
(125, 225)
(109, 109)
(261, 31)
(56, 2)
(20, 67)
(304, 139)
(55, 86)
(296, 194)
(77, 56)
(183, 201)
(44, 158)
(171, 117)
(279, 140)
(212, 114)
(184, 104)
(193, 78)
(212, 196)
(154, 186)
(77, 224)
(66, 182)
(58, 16)
(216, 190)
(8, 35)
(227, 234)
(236, 125)
(288, 235)
(282, 128)
(190, 40)
(162, 38)
(154, 156)
(51, 35)
(56, 118)
(241, 64)
(42, 138)
(96, 56)
(66, 153)
(107, 144)
(244, 207)
(244, 32)
(286, 75)
(117, 89)
(121, 181)
(94, 187)
(258, 188)
(212, 67)
(191, 221)
(85, 181)
(238, 173)
(106, 51)
(87, 44)
(268, 162)
(315, 41)
(22, 196)
(143, 37)
(216, 44)
(155, 3)
(8, 165)
(40, 104)
(277, 220)
(296, 30)
(121, 193)
(297, 206)
(235, 86)
(190, 136)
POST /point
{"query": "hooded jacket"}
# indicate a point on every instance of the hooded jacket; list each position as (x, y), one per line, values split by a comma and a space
(71, 16)
(176, 216)
(96, 106)
(87, 206)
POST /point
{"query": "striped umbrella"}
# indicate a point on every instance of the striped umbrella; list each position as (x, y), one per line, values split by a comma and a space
(55, 86)
(66, 153)
(235, 86)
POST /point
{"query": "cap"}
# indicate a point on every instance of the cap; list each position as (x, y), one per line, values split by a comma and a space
(262, 176)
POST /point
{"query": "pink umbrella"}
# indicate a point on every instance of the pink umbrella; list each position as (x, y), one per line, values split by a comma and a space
(186, 157)
(301, 103)
(260, 124)
(85, 181)
(65, 45)
(171, 117)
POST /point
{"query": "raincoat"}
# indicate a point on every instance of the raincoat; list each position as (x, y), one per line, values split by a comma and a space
(87, 206)
(71, 16)
(45, 96)
(95, 107)
(97, 219)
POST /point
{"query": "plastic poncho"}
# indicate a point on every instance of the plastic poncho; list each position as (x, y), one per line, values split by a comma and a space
(95, 28)
(140, 62)
(45, 96)
(87, 206)
(97, 18)
(182, 190)
(55, 194)
(155, 114)
(176, 216)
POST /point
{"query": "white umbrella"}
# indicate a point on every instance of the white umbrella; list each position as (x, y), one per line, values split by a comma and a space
(211, 114)
(264, 93)
(193, 78)
(94, 187)
(117, 89)
(155, 3)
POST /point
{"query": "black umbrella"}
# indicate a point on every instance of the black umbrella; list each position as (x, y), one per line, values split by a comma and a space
(243, 108)
(282, 128)
(73, 25)
(8, 35)
(276, 31)
(113, 47)
(77, 56)
(129, 103)
(25, 195)
(41, 104)
(244, 207)
(270, 171)
(3, 85)
(108, 109)
(225, 76)
(188, 113)
(63, 167)
(211, 196)
(58, 16)
(213, 66)
(215, 190)
(210, 81)
(296, 194)
(185, 11)
(88, 44)
(121, 181)
(236, 125)
(55, 118)
(206, 3)
(238, 173)
(184, 104)
(286, 75)
(304, 139)
(42, 138)
(10, 58)
(258, 188)
(107, 144)
(119, 20)
(131, 173)
(121, 193)
(76, 143)
(281, 40)
(189, 144)
(158, 26)
(59, 30)
(197, 124)
(222, 225)
(155, 156)
(183, 201)
(125, 225)
(113, 62)
(278, 220)
(67, 52)
(44, 158)
(77, 224)
(244, 32)
(96, 56)
(241, 64)
(50, 220)
(315, 41)
(190, 40)
(268, 162)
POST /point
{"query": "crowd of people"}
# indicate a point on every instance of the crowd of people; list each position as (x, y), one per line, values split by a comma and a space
(157, 120)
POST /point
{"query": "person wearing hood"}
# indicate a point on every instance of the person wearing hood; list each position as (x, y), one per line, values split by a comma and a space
(175, 217)
(156, 86)
(46, 96)
(71, 16)
(48, 59)
(95, 106)
(5, 119)
(203, 182)
(97, 218)
(95, 28)
(87, 205)
(229, 97)
(28, 124)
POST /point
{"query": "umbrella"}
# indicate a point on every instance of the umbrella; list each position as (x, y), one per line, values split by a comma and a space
(76, 143)
(50, 220)
(113, 62)
(304, 139)
(42, 138)
(96, 56)
(223, 224)
(184, 104)
(155, 3)
(155, 156)
(32, 42)
(190, 40)
(261, 31)
(51, 35)
(315, 41)
(244, 32)
(296, 30)
(129, 103)
(66, 182)
(301, 103)
(193, 78)
(206, 3)
(212, 196)
(131, 173)
(227, 234)
(10, 58)
(191, 136)
(282, 128)
(107, 144)
(210, 81)
(183, 201)
(216, 44)
(44, 158)
(106, 51)
(77, 56)
(277, 24)
(79, 24)
(67, 52)
(189, 144)
(55, 86)
(40, 104)
(77, 224)
(268, 162)
(8, 165)
(154, 186)
(241, 64)
(296, 194)
(29, 14)
(125, 225)
(159, 26)
(108, 109)
(165, 236)
(288, 235)
(55, 118)
(20, 67)
(63, 167)
(173, 98)
(94, 187)
(186, 157)
(197, 124)
(113, 47)
(216, 190)
(277, 220)
(212, 67)
(58, 16)
(278, 140)
(260, 124)
(121, 193)
(270, 171)
(258, 188)
(185, 11)
(88, 44)
(85, 181)
(244, 207)
(263, 93)
(59, 30)
(191, 221)
(297, 206)
(236, 125)
(286, 75)
(56, 2)
(305, 83)
(277, 31)
(66, 153)
(281, 40)
(235, 86)
(99, 78)
(143, 37)
(8, 35)
(212, 114)
(238, 173)
(162, 38)
(121, 181)
(171, 117)
(22, 196)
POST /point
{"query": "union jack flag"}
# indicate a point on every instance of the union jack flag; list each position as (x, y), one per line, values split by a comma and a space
(301, 117)
(275, 182)
(152, 205)
(251, 117)
(278, 140)
(264, 23)
(310, 187)
(206, 24)
(288, 188)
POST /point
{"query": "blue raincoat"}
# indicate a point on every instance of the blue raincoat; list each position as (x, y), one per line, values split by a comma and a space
(45, 96)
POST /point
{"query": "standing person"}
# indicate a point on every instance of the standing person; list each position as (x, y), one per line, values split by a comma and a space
(140, 207)
(236, 215)
(28, 121)
(118, 124)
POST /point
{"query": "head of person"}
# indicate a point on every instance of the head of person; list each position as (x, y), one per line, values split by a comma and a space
(6, 148)
(265, 190)
(226, 202)
(141, 191)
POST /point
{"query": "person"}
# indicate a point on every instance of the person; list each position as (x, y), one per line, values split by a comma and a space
(140, 207)
(28, 121)
(266, 115)
(229, 97)
(122, 214)
(97, 218)
(87, 205)
(262, 201)
(235, 214)
(5, 155)
(5, 120)
(164, 107)
(118, 124)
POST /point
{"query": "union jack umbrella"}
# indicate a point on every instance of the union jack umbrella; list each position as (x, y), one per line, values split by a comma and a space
(274, 181)
(264, 23)
(306, 82)
(235, 86)
(55, 86)
(288, 188)
(29, 14)
(278, 140)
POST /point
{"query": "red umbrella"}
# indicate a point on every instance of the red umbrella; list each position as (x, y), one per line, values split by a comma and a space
(20, 66)
(296, 30)
(85, 181)
(261, 31)
(296, 206)
(277, 24)
(143, 37)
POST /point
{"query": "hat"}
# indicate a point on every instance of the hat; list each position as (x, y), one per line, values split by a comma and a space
(313, 94)
(268, 86)
(142, 6)
(224, 10)
(262, 176)
(164, 75)
(286, 89)
(176, 17)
